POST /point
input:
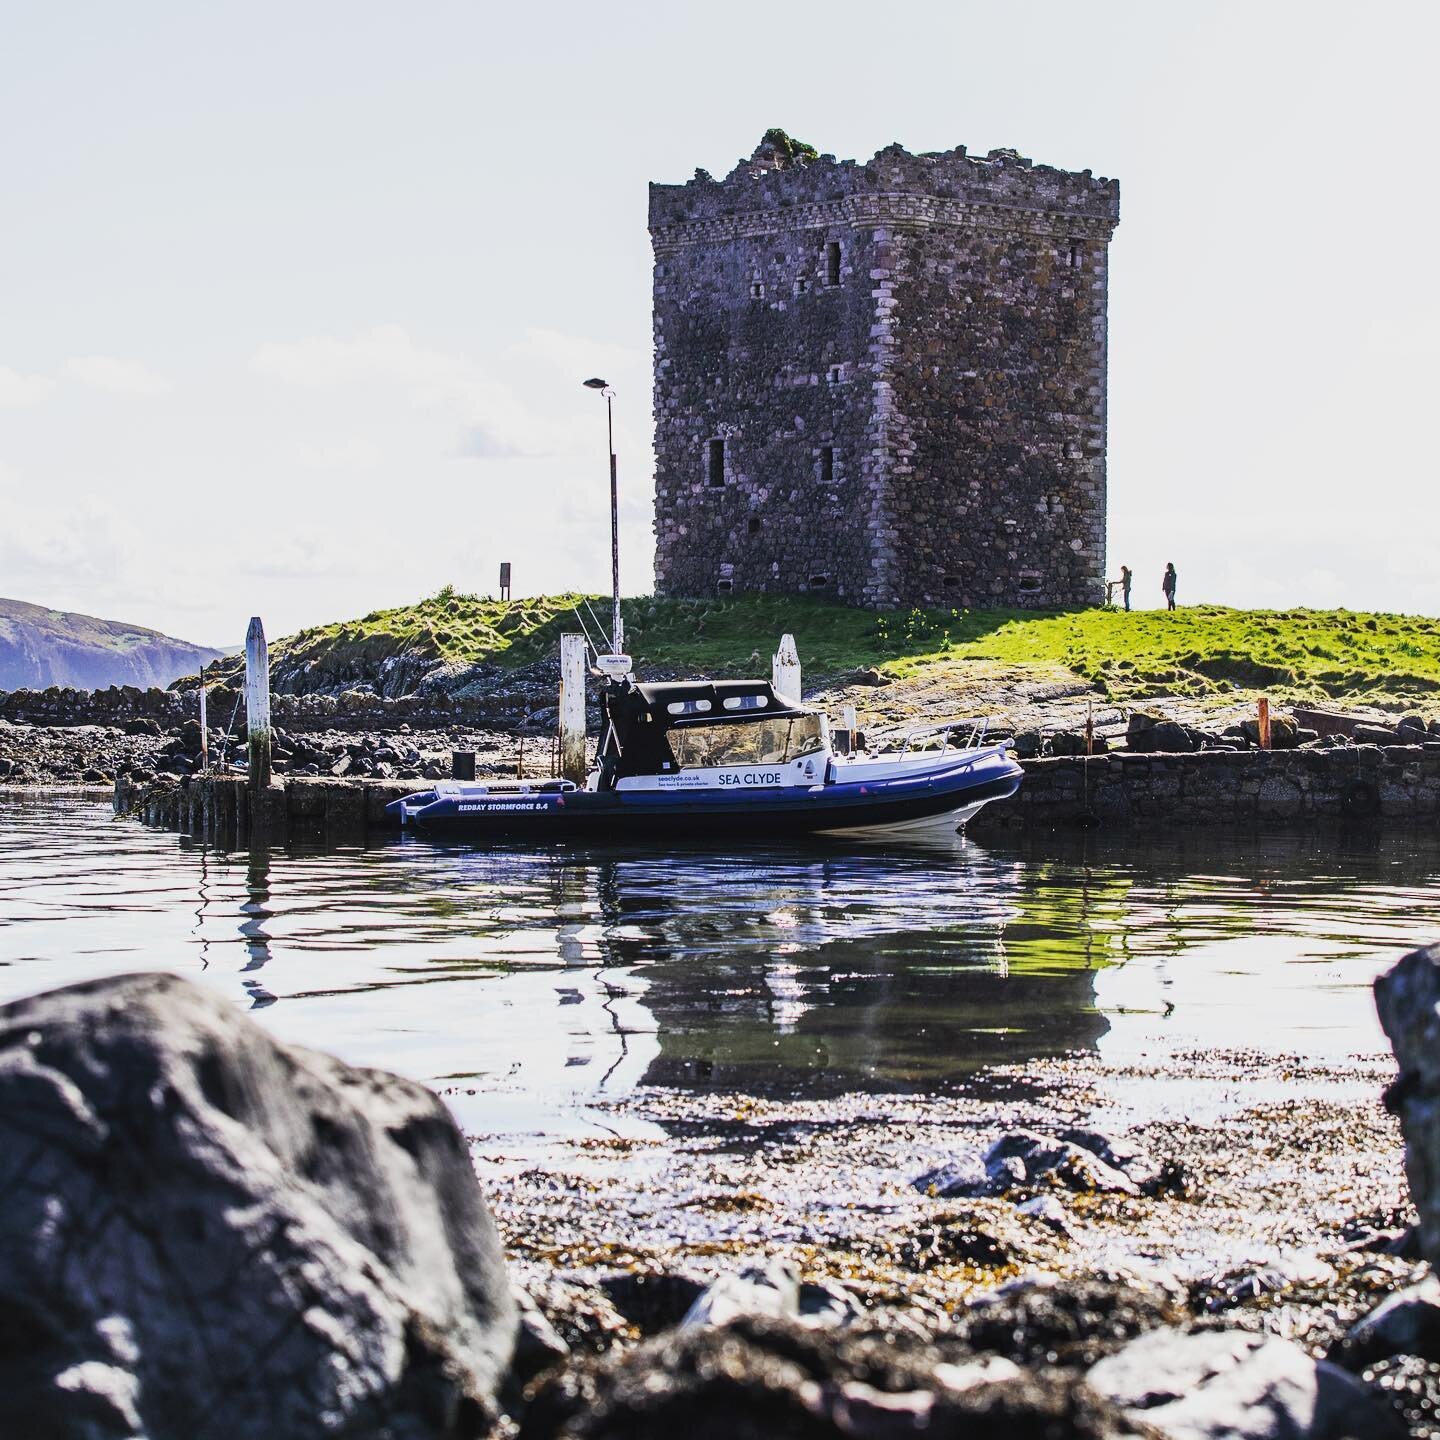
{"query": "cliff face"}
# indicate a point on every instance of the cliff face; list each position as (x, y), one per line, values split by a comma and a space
(40, 647)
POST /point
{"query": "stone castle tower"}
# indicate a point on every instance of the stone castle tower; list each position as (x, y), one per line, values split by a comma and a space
(882, 382)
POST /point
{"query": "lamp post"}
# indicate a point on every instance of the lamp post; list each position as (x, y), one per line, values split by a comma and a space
(617, 636)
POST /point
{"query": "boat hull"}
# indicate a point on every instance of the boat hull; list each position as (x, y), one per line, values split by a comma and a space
(927, 802)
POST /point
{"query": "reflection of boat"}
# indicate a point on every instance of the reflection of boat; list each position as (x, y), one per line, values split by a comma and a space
(733, 756)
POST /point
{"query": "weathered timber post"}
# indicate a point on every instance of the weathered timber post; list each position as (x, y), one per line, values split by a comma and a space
(257, 713)
(1262, 721)
(785, 670)
(572, 707)
(204, 728)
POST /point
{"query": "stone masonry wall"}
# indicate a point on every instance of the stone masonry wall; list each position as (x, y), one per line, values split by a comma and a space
(1246, 788)
(905, 362)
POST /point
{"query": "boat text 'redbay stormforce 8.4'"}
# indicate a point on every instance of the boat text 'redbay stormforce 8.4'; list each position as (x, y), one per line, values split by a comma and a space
(733, 757)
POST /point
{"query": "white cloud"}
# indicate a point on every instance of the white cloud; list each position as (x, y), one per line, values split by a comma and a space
(17, 389)
(486, 419)
(123, 377)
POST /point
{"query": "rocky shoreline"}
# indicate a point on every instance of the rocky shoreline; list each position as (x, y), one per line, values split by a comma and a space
(68, 737)
(1233, 1254)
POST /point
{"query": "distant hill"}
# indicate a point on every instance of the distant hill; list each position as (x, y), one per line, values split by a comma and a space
(40, 647)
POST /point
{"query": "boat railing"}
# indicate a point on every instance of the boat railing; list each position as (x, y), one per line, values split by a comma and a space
(906, 737)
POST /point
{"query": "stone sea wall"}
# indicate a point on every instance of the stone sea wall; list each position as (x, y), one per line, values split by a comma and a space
(1349, 784)
(1359, 784)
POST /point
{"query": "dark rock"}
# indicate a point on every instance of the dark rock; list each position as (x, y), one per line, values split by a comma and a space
(1366, 734)
(764, 1379)
(953, 1242)
(1118, 1153)
(143, 726)
(1406, 1323)
(538, 1347)
(1044, 1159)
(1025, 1158)
(652, 1301)
(1027, 744)
(203, 1222)
(6, 766)
(1172, 738)
(1066, 1322)
(1407, 997)
(965, 1175)
(96, 777)
(771, 1289)
(1240, 1386)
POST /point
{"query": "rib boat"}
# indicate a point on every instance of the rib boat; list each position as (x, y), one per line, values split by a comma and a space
(733, 758)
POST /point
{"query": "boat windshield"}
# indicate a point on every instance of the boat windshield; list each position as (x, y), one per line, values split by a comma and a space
(766, 742)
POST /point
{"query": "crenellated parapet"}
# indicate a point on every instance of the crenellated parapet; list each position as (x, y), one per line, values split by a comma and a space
(894, 186)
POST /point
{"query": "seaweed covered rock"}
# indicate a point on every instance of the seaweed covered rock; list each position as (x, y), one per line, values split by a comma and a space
(765, 1377)
(197, 1221)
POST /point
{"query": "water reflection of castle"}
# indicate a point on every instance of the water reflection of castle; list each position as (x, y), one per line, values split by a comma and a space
(837, 970)
(809, 970)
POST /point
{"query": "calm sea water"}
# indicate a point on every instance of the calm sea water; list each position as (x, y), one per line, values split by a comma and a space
(529, 982)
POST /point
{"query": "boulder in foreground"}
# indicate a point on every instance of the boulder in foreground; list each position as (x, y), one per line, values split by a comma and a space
(204, 1231)
(1407, 997)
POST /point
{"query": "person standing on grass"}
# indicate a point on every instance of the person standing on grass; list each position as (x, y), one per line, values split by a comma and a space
(1125, 585)
(1168, 585)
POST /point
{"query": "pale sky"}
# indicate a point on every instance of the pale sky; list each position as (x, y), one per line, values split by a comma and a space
(296, 299)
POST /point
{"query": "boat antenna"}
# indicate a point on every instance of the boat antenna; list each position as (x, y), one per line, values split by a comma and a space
(617, 632)
(599, 628)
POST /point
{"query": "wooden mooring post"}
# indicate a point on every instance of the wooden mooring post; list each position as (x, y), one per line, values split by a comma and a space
(257, 711)
(572, 707)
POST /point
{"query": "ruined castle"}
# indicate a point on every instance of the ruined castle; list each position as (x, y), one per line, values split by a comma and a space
(883, 382)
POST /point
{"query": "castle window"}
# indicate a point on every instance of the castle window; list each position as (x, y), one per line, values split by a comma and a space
(1075, 253)
(835, 375)
(832, 263)
(827, 465)
(725, 586)
(802, 284)
(715, 465)
(752, 525)
(1029, 584)
(757, 290)
(819, 582)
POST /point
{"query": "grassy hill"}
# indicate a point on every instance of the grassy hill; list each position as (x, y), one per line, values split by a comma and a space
(40, 647)
(1293, 655)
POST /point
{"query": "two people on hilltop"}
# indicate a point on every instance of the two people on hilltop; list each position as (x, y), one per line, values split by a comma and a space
(1167, 586)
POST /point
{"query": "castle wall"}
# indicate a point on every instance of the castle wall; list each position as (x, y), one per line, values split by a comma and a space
(998, 485)
(917, 417)
(773, 376)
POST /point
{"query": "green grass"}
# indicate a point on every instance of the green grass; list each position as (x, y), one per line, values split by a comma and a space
(1203, 650)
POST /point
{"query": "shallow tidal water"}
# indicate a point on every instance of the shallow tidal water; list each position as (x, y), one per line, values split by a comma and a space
(528, 984)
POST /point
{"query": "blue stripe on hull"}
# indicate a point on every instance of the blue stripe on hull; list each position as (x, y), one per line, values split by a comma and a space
(694, 812)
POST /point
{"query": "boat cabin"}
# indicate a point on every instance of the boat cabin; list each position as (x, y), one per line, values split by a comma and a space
(704, 726)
